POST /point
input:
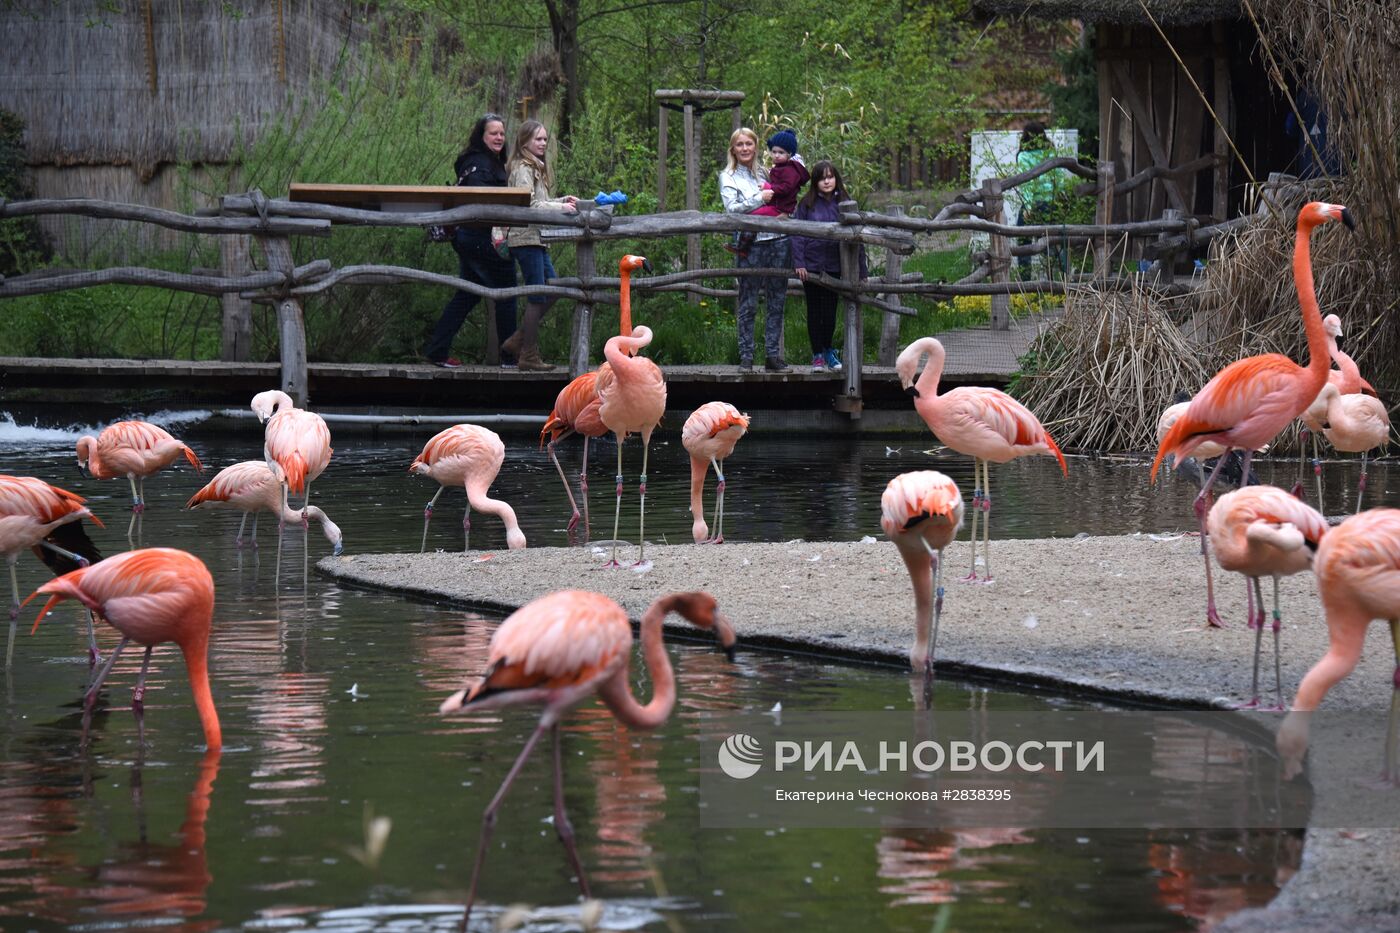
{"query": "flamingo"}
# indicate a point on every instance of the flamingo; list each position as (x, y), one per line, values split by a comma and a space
(556, 650)
(1247, 403)
(252, 487)
(1356, 423)
(1347, 380)
(632, 399)
(1358, 576)
(467, 455)
(134, 449)
(152, 596)
(1264, 531)
(576, 407)
(922, 512)
(710, 434)
(986, 424)
(296, 445)
(30, 511)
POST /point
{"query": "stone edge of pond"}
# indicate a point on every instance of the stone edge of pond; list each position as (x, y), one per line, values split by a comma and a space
(1338, 867)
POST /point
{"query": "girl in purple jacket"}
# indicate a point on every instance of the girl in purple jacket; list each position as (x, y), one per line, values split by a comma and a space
(811, 256)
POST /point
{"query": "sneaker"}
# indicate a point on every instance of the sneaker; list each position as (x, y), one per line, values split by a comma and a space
(819, 363)
(449, 363)
(833, 360)
(776, 364)
(509, 364)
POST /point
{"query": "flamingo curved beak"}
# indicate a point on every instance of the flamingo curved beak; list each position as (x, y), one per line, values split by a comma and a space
(1348, 219)
(912, 392)
(646, 264)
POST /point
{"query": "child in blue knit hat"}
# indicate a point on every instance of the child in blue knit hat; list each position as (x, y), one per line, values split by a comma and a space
(785, 179)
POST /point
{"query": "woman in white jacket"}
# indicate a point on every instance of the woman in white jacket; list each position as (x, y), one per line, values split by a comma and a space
(741, 189)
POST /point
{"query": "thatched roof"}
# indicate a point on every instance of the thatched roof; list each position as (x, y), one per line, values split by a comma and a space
(1124, 12)
(79, 74)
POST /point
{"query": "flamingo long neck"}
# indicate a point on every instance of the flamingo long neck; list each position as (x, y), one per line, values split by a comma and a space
(617, 692)
(94, 459)
(920, 567)
(625, 304)
(480, 501)
(699, 469)
(620, 350)
(933, 371)
(196, 653)
(1318, 359)
(1351, 373)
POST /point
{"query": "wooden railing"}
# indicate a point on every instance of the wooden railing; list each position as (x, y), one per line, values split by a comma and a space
(272, 222)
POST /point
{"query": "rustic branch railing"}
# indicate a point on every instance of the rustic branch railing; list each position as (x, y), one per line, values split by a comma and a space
(273, 221)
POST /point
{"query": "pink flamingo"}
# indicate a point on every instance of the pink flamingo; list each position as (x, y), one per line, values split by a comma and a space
(1263, 531)
(632, 399)
(1346, 378)
(1355, 423)
(1358, 576)
(576, 407)
(1247, 403)
(151, 596)
(922, 512)
(557, 650)
(252, 487)
(134, 449)
(710, 434)
(296, 445)
(30, 511)
(470, 456)
(986, 424)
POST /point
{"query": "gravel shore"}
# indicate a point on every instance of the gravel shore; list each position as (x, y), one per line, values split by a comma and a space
(1111, 616)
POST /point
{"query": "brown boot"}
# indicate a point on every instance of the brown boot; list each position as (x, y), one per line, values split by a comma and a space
(511, 345)
(529, 333)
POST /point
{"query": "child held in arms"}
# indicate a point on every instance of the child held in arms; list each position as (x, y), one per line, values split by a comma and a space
(785, 179)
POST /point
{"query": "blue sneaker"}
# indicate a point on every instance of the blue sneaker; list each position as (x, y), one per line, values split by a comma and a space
(833, 360)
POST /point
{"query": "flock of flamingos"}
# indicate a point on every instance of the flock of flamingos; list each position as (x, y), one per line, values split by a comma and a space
(559, 649)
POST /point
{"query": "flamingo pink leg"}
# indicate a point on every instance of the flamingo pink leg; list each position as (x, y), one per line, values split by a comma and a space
(1361, 482)
(1278, 661)
(583, 485)
(90, 698)
(1202, 506)
(642, 518)
(986, 521)
(1392, 746)
(573, 519)
(562, 827)
(976, 509)
(1251, 586)
(138, 504)
(719, 502)
(467, 527)
(1317, 470)
(617, 511)
(488, 816)
(427, 514)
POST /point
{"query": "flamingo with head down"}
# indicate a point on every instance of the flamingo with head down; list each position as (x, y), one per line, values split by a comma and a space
(709, 435)
(922, 512)
(555, 652)
(469, 456)
(252, 487)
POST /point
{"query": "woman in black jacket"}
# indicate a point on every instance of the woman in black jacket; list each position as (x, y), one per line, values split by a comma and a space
(481, 164)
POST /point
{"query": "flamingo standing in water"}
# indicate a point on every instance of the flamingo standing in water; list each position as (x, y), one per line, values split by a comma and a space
(576, 407)
(1346, 378)
(922, 512)
(470, 456)
(986, 424)
(710, 434)
(252, 487)
(30, 511)
(151, 596)
(1247, 403)
(1358, 576)
(1356, 423)
(134, 449)
(632, 399)
(557, 650)
(1263, 531)
(296, 445)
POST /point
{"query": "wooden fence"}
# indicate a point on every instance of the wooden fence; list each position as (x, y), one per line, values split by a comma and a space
(272, 222)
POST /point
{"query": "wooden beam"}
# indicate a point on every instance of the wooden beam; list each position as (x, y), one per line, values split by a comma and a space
(692, 191)
(663, 125)
(676, 94)
(1220, 190)
(291, 327)
(1142, 120)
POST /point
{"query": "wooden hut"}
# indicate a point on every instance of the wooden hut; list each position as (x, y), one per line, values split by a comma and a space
(1163, 67)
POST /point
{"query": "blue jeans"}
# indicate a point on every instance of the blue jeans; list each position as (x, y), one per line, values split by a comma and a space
(477, 261)
(764, 254)
(535, 269)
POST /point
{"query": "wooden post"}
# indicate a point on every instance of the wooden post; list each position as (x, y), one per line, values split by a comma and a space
(889, 323)
(1220, 190)
(736, 119)
(236, 342)
(662, 151)
(692, 194)
(1103, 214)
(583, 311)
(1000, 260)
(850, 402)
(1165, 266)
(291, 328)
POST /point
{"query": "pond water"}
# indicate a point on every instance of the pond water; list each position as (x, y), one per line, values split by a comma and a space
(328, 698)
